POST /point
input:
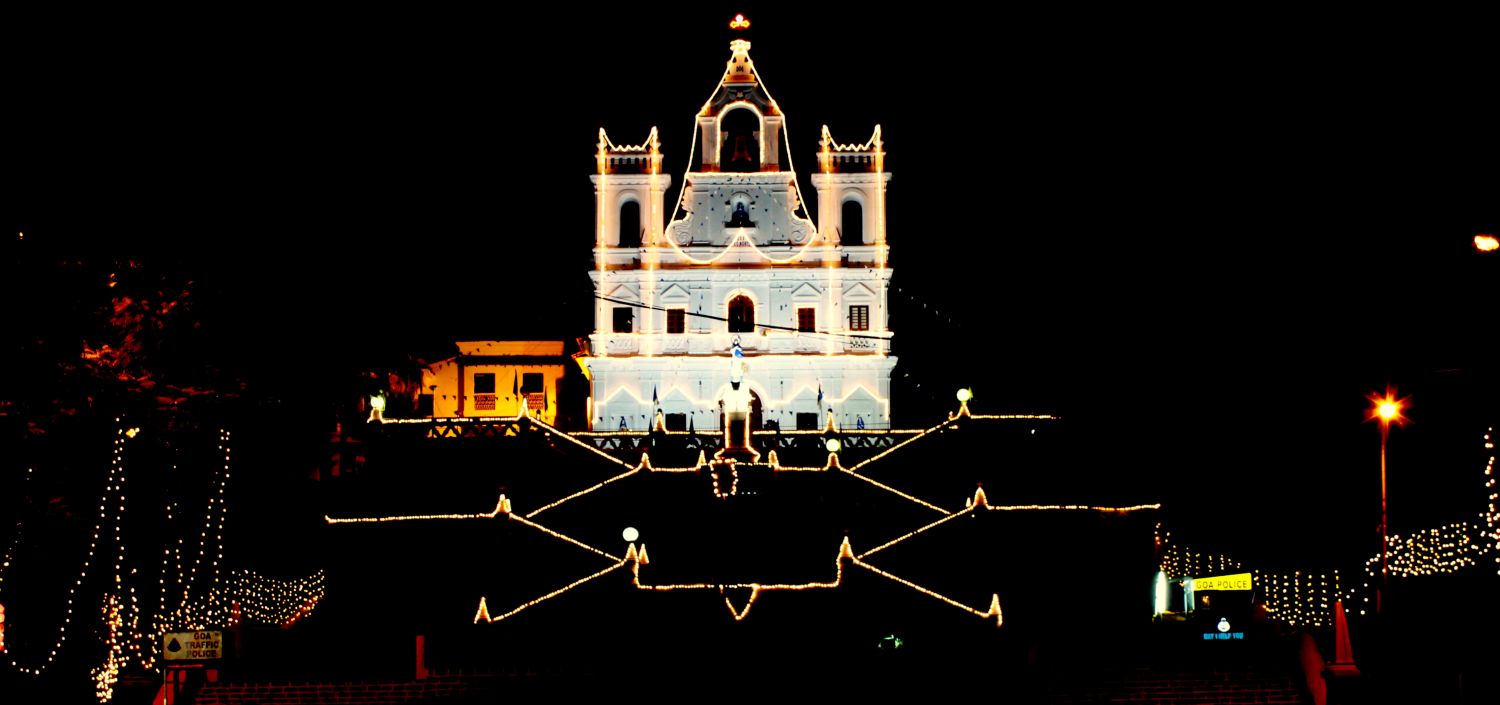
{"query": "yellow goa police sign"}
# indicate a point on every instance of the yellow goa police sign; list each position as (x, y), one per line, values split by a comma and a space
(1238, 581)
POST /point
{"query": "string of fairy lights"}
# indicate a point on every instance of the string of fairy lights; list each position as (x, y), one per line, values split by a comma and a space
(192, 590)
(723, 489)
(274, 601)
(62, 629)
(1300, 598)
(1491, 514)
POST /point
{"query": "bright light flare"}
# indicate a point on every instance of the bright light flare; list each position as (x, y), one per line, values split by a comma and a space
(965, 394)
(739, 22)
(1485, 242)
(1387, 408)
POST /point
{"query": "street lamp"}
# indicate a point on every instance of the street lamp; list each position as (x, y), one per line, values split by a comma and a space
(1387, 410)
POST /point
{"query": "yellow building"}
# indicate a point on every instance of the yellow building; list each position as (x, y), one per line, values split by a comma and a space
(495, 377)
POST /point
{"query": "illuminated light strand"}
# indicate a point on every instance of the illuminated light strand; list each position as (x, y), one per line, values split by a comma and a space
(920, 434)
(15, 540)
(502, 506)
(914, 532)
(753, 587)
(109, 483)
(1072, 507)
(645, 465)
(484, 613)
(892, 490)
(562, 536)
(1446, 549)
(816, 238)
(121, 618)
(1492, 513)
(277, 601)
(107, 674)
(734, 479)
(994, 604)
(845, 553)
(828, 145)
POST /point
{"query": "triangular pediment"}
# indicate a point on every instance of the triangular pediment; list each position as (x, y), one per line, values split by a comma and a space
(674, 293)
(806, 291)
(859, 291)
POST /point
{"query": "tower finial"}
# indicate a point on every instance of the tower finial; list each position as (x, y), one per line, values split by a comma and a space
(739, 23)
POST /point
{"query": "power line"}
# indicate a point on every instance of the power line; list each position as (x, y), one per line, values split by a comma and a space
(642, 304)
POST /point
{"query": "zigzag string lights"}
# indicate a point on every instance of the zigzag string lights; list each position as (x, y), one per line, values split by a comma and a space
(637, 559)
(502, 508)
(980, 501)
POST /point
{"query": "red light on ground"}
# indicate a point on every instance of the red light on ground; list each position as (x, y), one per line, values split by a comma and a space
(1485, 242)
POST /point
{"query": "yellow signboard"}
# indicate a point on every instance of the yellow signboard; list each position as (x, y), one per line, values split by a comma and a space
(1238, 581)
(192, 646)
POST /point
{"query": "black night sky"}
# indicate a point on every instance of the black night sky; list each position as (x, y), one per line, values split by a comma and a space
(1200, 237)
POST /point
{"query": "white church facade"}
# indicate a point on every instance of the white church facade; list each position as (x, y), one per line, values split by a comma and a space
(739, 260)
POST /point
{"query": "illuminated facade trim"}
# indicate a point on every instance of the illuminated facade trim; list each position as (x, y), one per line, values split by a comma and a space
(740, 227)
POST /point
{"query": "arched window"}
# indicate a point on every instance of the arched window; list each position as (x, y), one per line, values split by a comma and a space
(630, 224)
(739, 141)
(741, 315)
(852, 224)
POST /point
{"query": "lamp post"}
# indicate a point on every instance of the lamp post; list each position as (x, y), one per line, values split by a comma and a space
(1386, 410)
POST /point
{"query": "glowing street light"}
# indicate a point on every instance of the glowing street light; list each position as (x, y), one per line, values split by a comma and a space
(964, 395)
(1387, 410)
(1486, 243)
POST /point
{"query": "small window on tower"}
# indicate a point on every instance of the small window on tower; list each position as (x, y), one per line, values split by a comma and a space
(807, 421)
(484, 383)
(531, 383)
(676, 320)
(675, 422)
(807, 319)
(624, 319)
(859, 317)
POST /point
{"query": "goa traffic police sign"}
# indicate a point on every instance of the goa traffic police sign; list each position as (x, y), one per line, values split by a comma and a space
(192, 646)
